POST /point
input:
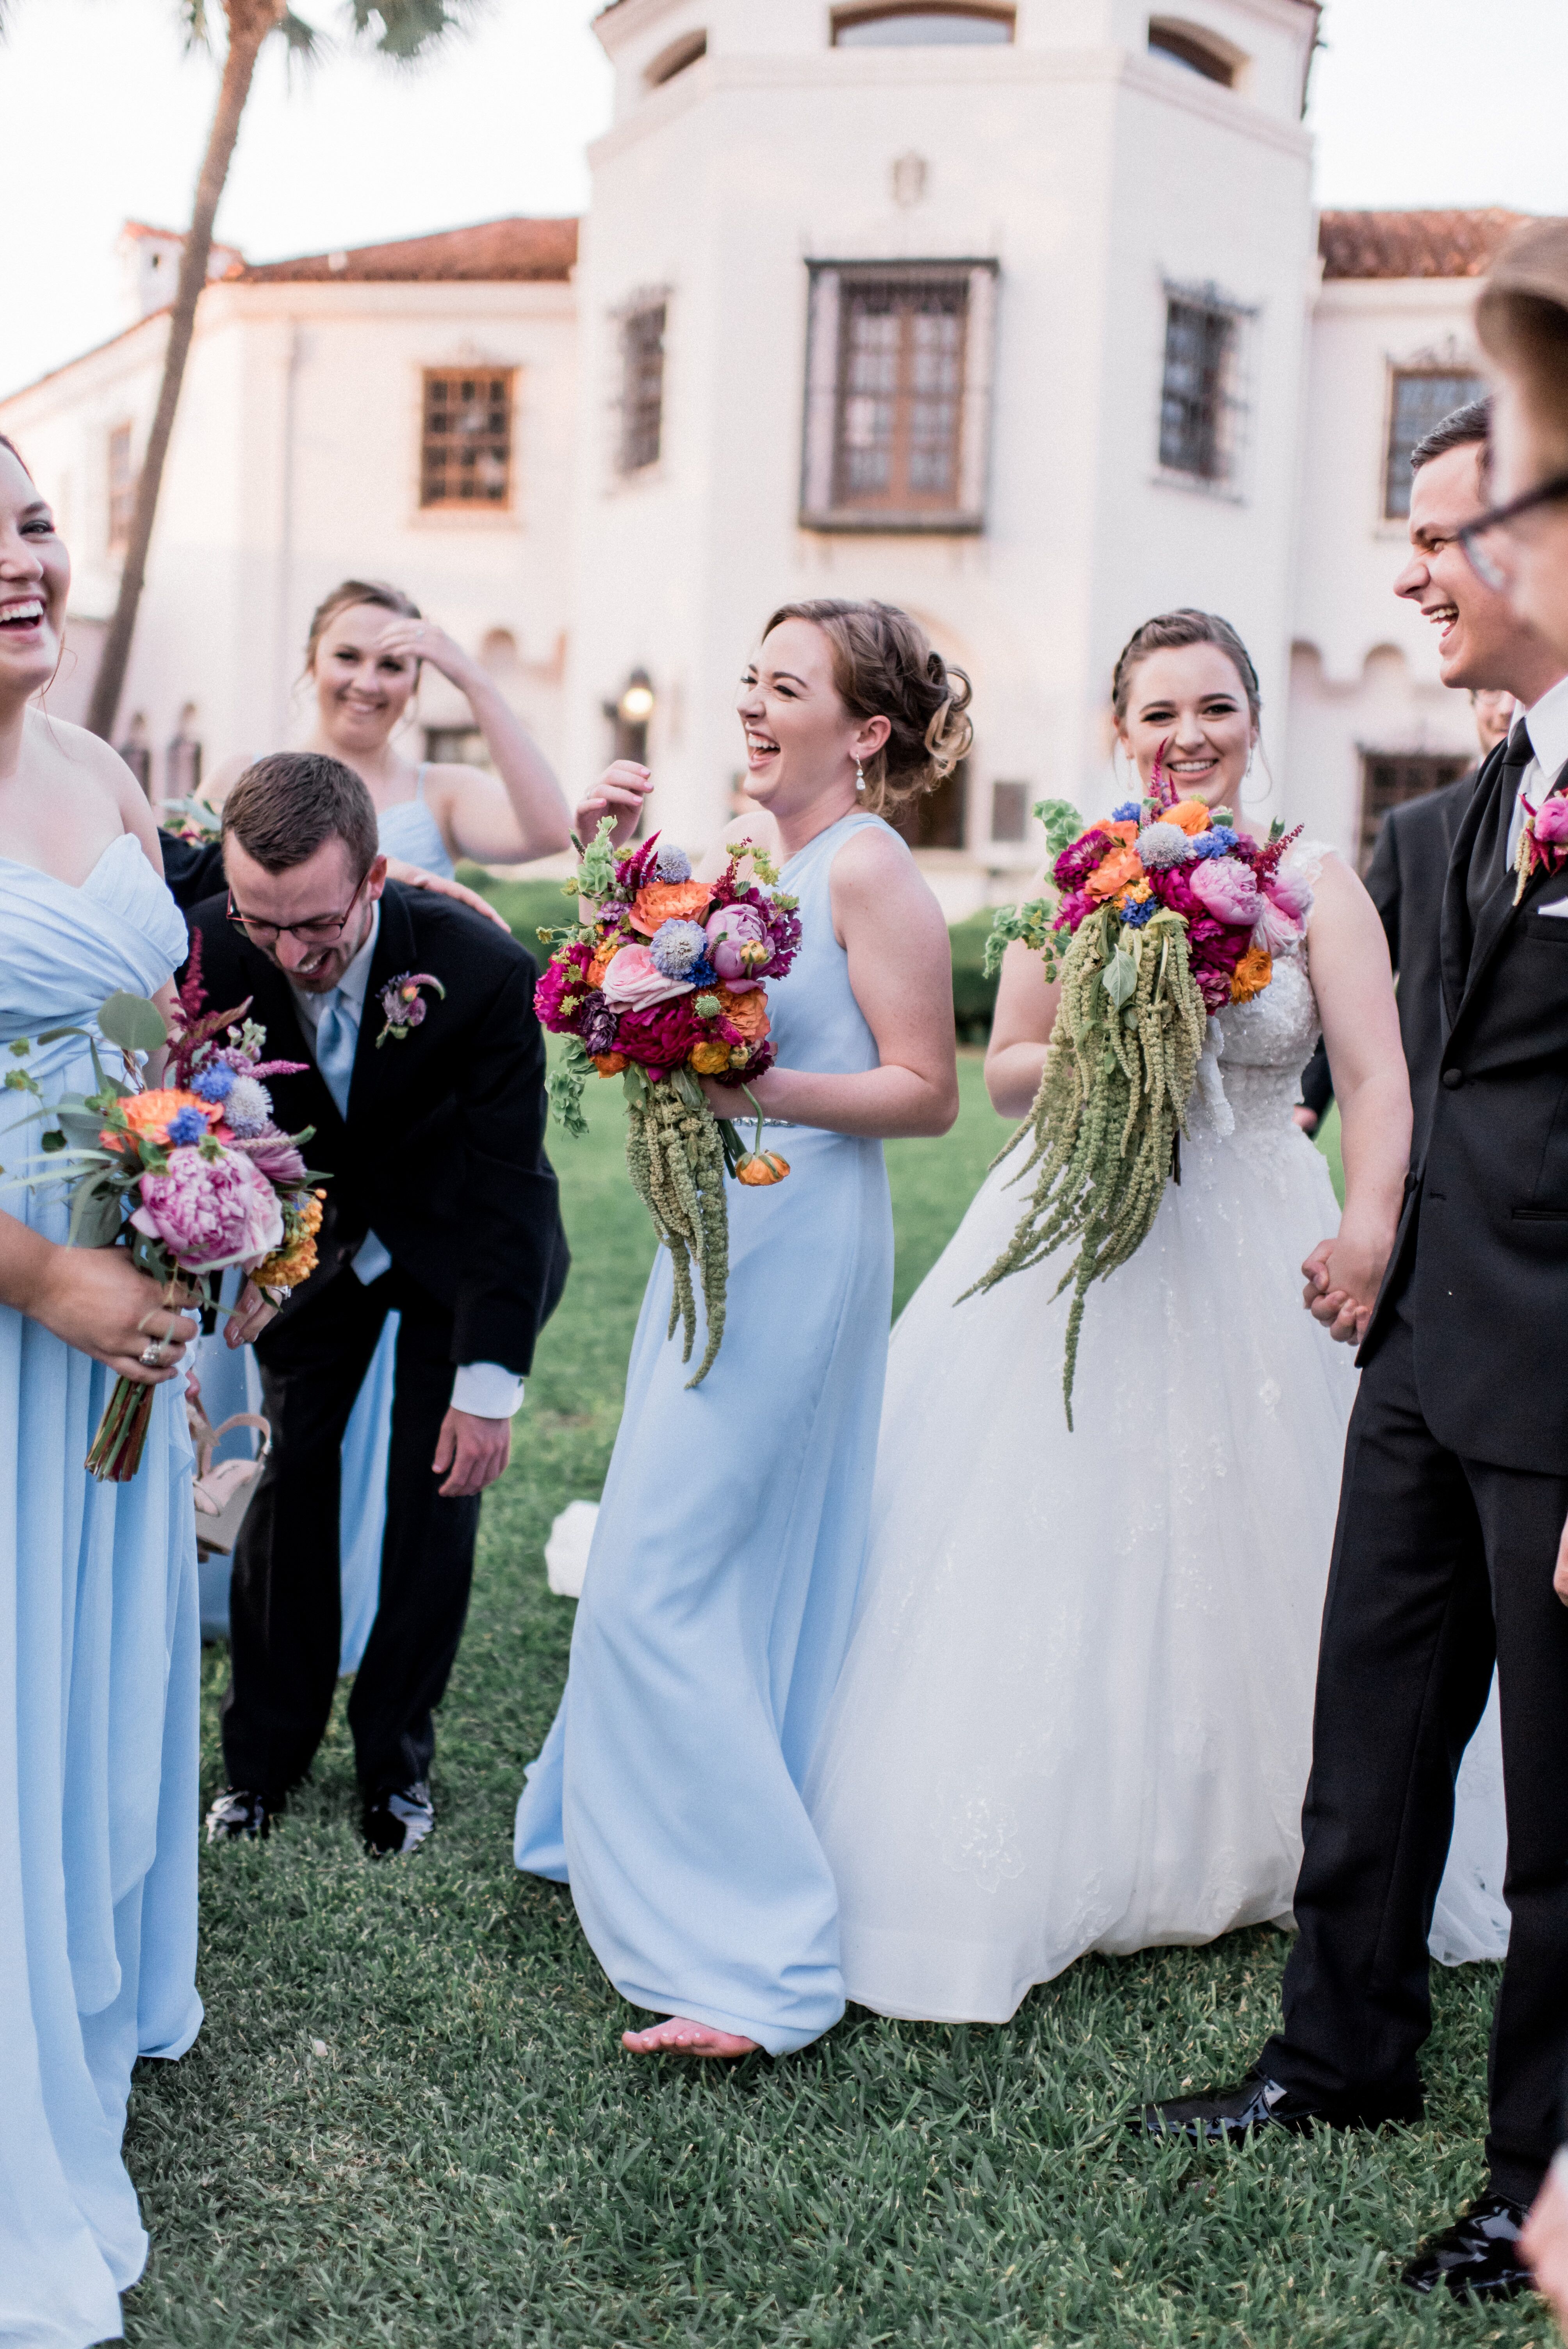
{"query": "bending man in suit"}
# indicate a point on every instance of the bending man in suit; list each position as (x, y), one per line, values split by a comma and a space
(1454, 1495)
(442, 1205)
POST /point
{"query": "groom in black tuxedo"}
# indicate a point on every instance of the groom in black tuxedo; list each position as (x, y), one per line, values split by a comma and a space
(441, 1207)
(1454, 1496)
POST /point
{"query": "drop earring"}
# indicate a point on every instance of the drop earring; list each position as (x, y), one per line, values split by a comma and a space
(860, 777)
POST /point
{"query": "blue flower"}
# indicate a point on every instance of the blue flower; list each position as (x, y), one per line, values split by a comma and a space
(1217, 842)
(672, 864)
(678, 948)
(214, 1083)
(1129, 812)
(1134, 917)
(187, 1125)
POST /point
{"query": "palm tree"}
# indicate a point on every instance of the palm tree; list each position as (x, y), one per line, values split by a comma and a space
(402, 30)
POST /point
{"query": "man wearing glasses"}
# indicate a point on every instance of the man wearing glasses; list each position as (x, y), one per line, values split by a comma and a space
(428, 1115)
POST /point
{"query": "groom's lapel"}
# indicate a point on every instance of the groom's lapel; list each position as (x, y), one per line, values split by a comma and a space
(1497, 916)
(377, 1068)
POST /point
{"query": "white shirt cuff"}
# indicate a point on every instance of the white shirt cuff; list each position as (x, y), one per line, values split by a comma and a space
(487, 1391)
(371, 1258)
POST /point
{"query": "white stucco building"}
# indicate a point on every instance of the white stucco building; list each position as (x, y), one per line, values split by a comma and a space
(1018, 315)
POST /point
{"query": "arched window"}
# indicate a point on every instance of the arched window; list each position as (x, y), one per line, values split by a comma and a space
(920, 24)
(1196, 51)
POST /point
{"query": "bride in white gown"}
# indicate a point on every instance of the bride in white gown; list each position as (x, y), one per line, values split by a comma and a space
(1077, 1708)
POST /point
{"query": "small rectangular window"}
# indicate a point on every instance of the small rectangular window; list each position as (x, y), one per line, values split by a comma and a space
(898, 396)
(1197, 394)
(642, 433)
(935, 819)
(1419, 399)
(121, 489)
(1009, 814)
(1389, 779)
(465, 456)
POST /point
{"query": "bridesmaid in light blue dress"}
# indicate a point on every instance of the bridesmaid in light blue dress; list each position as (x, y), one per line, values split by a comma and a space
(368, 642)
(723, 1574)
(98, 1639)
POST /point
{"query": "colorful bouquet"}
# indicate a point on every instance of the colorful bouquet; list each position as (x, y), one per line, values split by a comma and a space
(193, 1174)
(661, 984)
(1167, 914)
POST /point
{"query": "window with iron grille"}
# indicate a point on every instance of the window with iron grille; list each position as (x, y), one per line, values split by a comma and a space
(1419, 398)
(642, 386)
(121, 488)
(1389, 779)
(898, 396)
(1199, 406)
(465, 456)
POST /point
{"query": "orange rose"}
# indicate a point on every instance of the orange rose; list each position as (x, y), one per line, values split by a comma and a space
(604, 956)
(1123, 831)
(766, 1167)
(1117, 871)
(711, 1059)
(609, 1064)
(747, 1012)
(1190, 815)
(669, 901)
(1252, 974)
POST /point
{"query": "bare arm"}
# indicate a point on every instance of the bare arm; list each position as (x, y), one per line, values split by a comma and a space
(1021, 1029)
(901, 973)
(1354, 988)
(92, 1297)
(519, 811)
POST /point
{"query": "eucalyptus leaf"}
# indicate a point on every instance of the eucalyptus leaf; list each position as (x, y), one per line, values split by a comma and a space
(96, 1216)
(133, 1023)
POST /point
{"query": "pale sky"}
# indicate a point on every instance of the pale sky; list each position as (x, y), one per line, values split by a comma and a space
(102, 119)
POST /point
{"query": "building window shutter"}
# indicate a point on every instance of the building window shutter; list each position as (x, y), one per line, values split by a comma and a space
(121, 488)
(898, 396)
(465, 454)
(640, 442)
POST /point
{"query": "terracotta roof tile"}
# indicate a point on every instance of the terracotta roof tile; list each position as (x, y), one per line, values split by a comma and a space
(494, 252)
(1412, 245)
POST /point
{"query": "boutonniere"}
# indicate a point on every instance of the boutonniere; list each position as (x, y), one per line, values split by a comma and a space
(403, 1005)
(1543, 843)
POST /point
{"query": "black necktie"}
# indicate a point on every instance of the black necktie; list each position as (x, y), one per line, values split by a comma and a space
(1488, 865)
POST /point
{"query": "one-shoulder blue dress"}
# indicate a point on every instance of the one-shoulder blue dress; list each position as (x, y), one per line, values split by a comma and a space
(99, 1685)
(722, 1579)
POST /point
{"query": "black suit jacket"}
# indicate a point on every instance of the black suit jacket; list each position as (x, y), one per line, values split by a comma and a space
(442, 1152)
(1483, 1246)
(192, 869)
(1406, 881)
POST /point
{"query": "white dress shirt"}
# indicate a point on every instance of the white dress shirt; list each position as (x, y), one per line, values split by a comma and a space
(484, 1390)
(1548, 722)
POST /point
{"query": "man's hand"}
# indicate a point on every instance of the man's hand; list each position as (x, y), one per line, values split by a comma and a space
(475, 1452)
(1544, 2242)
(1343, 1276)
(248, 1317)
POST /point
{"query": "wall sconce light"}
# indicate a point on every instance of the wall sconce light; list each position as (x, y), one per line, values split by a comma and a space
(635, 706)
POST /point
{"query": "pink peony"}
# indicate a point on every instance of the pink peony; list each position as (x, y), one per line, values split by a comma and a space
(1290, 893)
(563, 975)
(1552, 821)
(1229, 890)
(739, 947)
(1274, 928)
(634, 982)
(209, 1212)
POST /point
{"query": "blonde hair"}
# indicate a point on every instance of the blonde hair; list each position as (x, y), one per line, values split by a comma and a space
(345, 597)
(884, 667)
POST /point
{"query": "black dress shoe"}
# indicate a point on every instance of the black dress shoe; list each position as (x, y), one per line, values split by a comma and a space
(1477, 2256)
(1226, 2115)
(397, 1820)
(239, 1816)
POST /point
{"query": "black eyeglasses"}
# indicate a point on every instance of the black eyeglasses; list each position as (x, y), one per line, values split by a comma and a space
(322, 929)
(1486, 569)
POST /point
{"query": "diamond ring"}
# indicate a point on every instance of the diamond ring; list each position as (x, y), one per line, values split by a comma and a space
(151, 1358)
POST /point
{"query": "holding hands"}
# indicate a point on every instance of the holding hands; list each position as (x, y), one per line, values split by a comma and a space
(1343, 1276)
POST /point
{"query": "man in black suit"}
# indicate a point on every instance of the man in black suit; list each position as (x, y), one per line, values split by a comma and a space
(1454, 1496)
(441, 1205)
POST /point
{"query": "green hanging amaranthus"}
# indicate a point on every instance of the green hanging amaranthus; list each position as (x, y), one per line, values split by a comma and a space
(1111, 1106)
(676, 1156)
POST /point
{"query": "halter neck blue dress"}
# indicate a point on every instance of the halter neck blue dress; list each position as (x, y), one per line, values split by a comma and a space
(722, 1579)
(99, 1685)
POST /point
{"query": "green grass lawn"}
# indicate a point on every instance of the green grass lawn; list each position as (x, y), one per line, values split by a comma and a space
(409, 2120)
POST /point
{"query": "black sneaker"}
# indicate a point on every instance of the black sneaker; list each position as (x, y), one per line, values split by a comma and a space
(397, 1820)
(1479, 2256)
(238, 1815)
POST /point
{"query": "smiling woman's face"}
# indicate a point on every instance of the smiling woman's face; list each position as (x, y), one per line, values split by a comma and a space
(1190, 698)
(801, 741)
(34, 580)
(361, 692)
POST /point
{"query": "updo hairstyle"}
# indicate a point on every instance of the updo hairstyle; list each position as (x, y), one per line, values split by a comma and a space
(1169, 632)
(883, 666)
(346, 598)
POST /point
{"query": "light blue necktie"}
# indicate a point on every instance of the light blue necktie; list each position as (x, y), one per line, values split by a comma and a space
(336, 1038)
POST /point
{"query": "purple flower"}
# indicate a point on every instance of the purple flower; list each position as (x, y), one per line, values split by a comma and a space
(678, 947)
(209, 1212)
(276, 1157)
(248, 1107)
(1077, 862)
(596, 1023)
(215, 1082)
(187, 1125)
(672, 864)
(739, 946)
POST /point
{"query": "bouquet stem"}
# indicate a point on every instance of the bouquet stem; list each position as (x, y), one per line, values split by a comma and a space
(117, 1448)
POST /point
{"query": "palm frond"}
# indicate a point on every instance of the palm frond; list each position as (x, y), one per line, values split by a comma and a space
(407, 30)
(306, 45)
